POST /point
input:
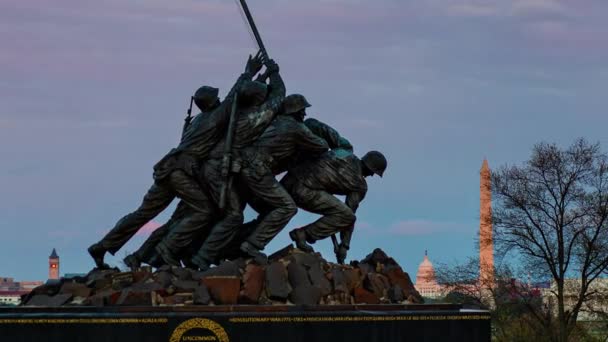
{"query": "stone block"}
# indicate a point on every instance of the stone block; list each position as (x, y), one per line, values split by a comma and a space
(128, 297)
(353, 278)
(281, 253)
(297, 274)
(141, 276)
(395, 294)
(376, 283)
(319, 280)
(339, 281)
(122, 280)
(225, 269)
(224, 290)
(178, 299)
(50, 301)
(103, 298)
(305, 295)
(396, 276)
(277, 284)
(181, 273)
(164, 278)
(362, 296)
(147, 286)
(201, 295)
(75, 289)
(377, 256)
(253, 284)
(185, 285)
(100, 278)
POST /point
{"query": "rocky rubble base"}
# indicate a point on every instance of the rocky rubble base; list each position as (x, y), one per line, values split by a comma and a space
(291, 277)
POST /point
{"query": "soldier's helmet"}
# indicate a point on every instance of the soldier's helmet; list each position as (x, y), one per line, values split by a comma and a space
(205, 97)
(253, 93)
(375, 161)
(294, 103)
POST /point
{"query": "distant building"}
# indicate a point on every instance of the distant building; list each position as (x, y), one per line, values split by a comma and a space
(426, 283)
(54, 265)
(11, 290)
(11, 297)
(595, 306)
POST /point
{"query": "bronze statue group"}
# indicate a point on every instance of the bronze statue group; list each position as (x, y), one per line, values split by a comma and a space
(229, 157)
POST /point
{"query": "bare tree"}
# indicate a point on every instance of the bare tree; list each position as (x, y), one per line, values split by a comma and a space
(517, 310)
(551, 213)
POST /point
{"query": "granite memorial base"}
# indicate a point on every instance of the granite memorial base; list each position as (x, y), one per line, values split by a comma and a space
(364, 323)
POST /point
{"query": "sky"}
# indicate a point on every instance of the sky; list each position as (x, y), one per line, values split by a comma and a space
(93, 93)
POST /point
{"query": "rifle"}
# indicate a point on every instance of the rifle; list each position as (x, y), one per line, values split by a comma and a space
(227, 159)
(188, 118)
(334, 240)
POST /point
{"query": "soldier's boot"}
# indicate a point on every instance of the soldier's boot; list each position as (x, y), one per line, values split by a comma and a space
(299, 236)
(97, 252)
(167, 256)
(156, 261)
(132, 261)
(252, 251)
(189, 264)
(201, 263)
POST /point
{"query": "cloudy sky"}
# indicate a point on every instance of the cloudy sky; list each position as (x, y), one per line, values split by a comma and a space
(92, 94)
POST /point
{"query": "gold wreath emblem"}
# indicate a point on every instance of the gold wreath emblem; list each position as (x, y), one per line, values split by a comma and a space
(199, 323)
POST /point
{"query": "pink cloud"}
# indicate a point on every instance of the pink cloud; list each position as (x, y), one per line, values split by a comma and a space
(148, 228)
(425, 227)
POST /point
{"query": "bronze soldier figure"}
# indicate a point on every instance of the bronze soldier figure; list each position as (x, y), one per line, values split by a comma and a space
(313, 183)
(206, 99)
(286, 137)
(174, 175)
(256, 109)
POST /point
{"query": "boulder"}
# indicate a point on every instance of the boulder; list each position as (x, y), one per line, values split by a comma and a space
(297, 274)
(164, 278)
(225, 269)
(121, 280)
(319, 280)
(224, 290)
(50, 301)
(353, 278)
(339, 280)
(281, 253)
(129, 297)
(75, 289)
(181, 273)
(362, 296)
(277, 285)
(305, 295)
(201, 295)
(184, 285)
(253, 284)
(396, 276)
(178, 299)
(395, 294)
(377, 284)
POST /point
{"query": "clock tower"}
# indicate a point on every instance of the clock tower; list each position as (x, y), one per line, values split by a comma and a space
(54, 265)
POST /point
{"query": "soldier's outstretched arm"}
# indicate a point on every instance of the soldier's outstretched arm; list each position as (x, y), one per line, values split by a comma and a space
(277, 86)
(269, 109)
(325, 131)
(310, 143)
(354, 199)
(253, 66)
